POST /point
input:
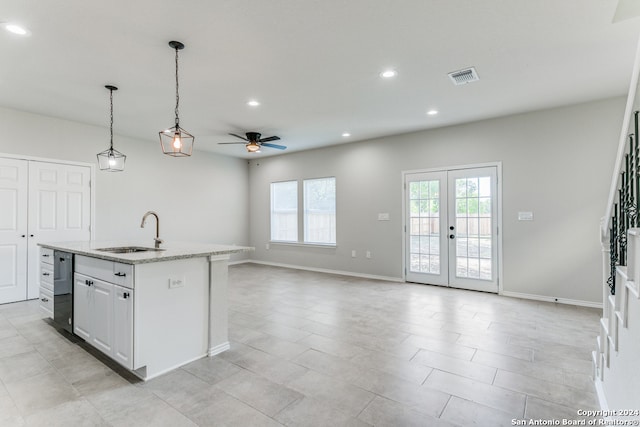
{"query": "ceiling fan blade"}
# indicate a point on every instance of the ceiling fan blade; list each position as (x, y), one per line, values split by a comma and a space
(271, 138)
(278, 147)
(238, 136)
(223, 143)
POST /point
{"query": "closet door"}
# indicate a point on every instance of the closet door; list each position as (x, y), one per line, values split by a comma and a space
(59, 209)
(13, 230)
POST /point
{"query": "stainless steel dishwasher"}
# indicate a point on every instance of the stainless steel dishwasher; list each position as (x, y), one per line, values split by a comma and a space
(63, 290)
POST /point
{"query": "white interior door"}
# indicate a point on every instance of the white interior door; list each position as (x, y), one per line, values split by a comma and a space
(13, 230)
(59, 209)
(452, 228)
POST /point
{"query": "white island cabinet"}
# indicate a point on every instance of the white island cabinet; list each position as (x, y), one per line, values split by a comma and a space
(151, 311)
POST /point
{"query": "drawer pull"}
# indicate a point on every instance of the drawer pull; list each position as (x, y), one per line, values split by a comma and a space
(44, 255)
(44, 299)
(121, 274)
(45, 274)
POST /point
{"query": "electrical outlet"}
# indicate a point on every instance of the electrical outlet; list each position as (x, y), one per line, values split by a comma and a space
(368, 255)
(266, 246)
(353, 253)
(176, 283)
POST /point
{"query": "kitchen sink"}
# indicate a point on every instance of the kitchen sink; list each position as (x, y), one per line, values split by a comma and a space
(128, 249)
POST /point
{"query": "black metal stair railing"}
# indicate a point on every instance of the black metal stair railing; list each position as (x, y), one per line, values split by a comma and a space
(625, 212)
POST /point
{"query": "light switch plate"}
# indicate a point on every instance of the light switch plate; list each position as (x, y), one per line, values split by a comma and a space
(176, 283)
(383, 216)
(525, 216)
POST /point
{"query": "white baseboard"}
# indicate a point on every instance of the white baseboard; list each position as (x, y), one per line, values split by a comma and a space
(241, 261)
(217, 349)
(552, 299)
(326, 270)
(602, 400)
(142, 372)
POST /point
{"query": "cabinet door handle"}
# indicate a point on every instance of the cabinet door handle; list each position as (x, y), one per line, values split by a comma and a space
(44, 299)
(125, 295)
(44, 255)
(45, 274)
(121, 274)
(24, 235)
(88, 282)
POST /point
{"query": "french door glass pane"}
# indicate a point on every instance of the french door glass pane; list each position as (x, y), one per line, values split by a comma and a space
(424, 229)
(473, 228)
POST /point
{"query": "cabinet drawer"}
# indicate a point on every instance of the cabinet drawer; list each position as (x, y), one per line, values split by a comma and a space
(46, 301)
(109, 271)
(46, 255)
(46, 276)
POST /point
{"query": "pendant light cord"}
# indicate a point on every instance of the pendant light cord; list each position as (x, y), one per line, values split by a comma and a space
(111, 123)
(177, 91)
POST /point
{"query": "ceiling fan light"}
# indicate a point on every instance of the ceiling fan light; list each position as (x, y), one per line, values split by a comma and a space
(253, 147)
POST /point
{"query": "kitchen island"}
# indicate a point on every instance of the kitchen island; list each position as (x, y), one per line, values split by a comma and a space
(150, 309)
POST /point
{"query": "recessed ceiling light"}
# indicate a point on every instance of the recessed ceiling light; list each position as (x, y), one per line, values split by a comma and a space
(16, 29)
(346, 134)
(432, 112)
(253, 103)
(388, 74)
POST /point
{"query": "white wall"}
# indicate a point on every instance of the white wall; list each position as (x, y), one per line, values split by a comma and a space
(556, 163)
(200, 198)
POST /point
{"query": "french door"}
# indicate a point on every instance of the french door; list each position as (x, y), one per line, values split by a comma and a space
(452, 228)
(39, 202)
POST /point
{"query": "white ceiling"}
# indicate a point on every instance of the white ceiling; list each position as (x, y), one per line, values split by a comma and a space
(313, 65)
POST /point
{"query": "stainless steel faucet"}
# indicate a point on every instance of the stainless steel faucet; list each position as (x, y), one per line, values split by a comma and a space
(157, 239)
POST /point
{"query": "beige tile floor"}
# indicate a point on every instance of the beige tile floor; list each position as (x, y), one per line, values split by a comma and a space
(312, 349)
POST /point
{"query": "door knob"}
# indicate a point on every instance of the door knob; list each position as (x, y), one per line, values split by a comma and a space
(452, 236)
(451, 227)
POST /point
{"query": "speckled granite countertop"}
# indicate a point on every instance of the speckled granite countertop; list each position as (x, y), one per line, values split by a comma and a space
(171, 250)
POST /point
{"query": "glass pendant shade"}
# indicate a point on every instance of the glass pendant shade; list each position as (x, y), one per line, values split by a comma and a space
(176, 141)
(111, 160)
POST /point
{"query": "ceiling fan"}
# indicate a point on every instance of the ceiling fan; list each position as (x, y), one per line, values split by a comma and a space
(254, 142)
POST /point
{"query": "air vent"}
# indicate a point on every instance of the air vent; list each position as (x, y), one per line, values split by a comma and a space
(462, 77)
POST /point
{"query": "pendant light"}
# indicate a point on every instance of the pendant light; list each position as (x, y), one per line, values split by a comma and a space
(176, 141)
(111, 160)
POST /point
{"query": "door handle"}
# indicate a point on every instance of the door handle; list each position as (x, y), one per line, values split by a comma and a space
(452, 227)
(452, 236)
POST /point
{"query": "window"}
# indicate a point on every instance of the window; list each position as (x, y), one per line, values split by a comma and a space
(316, 213)
(320, 211)
(284, 211)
